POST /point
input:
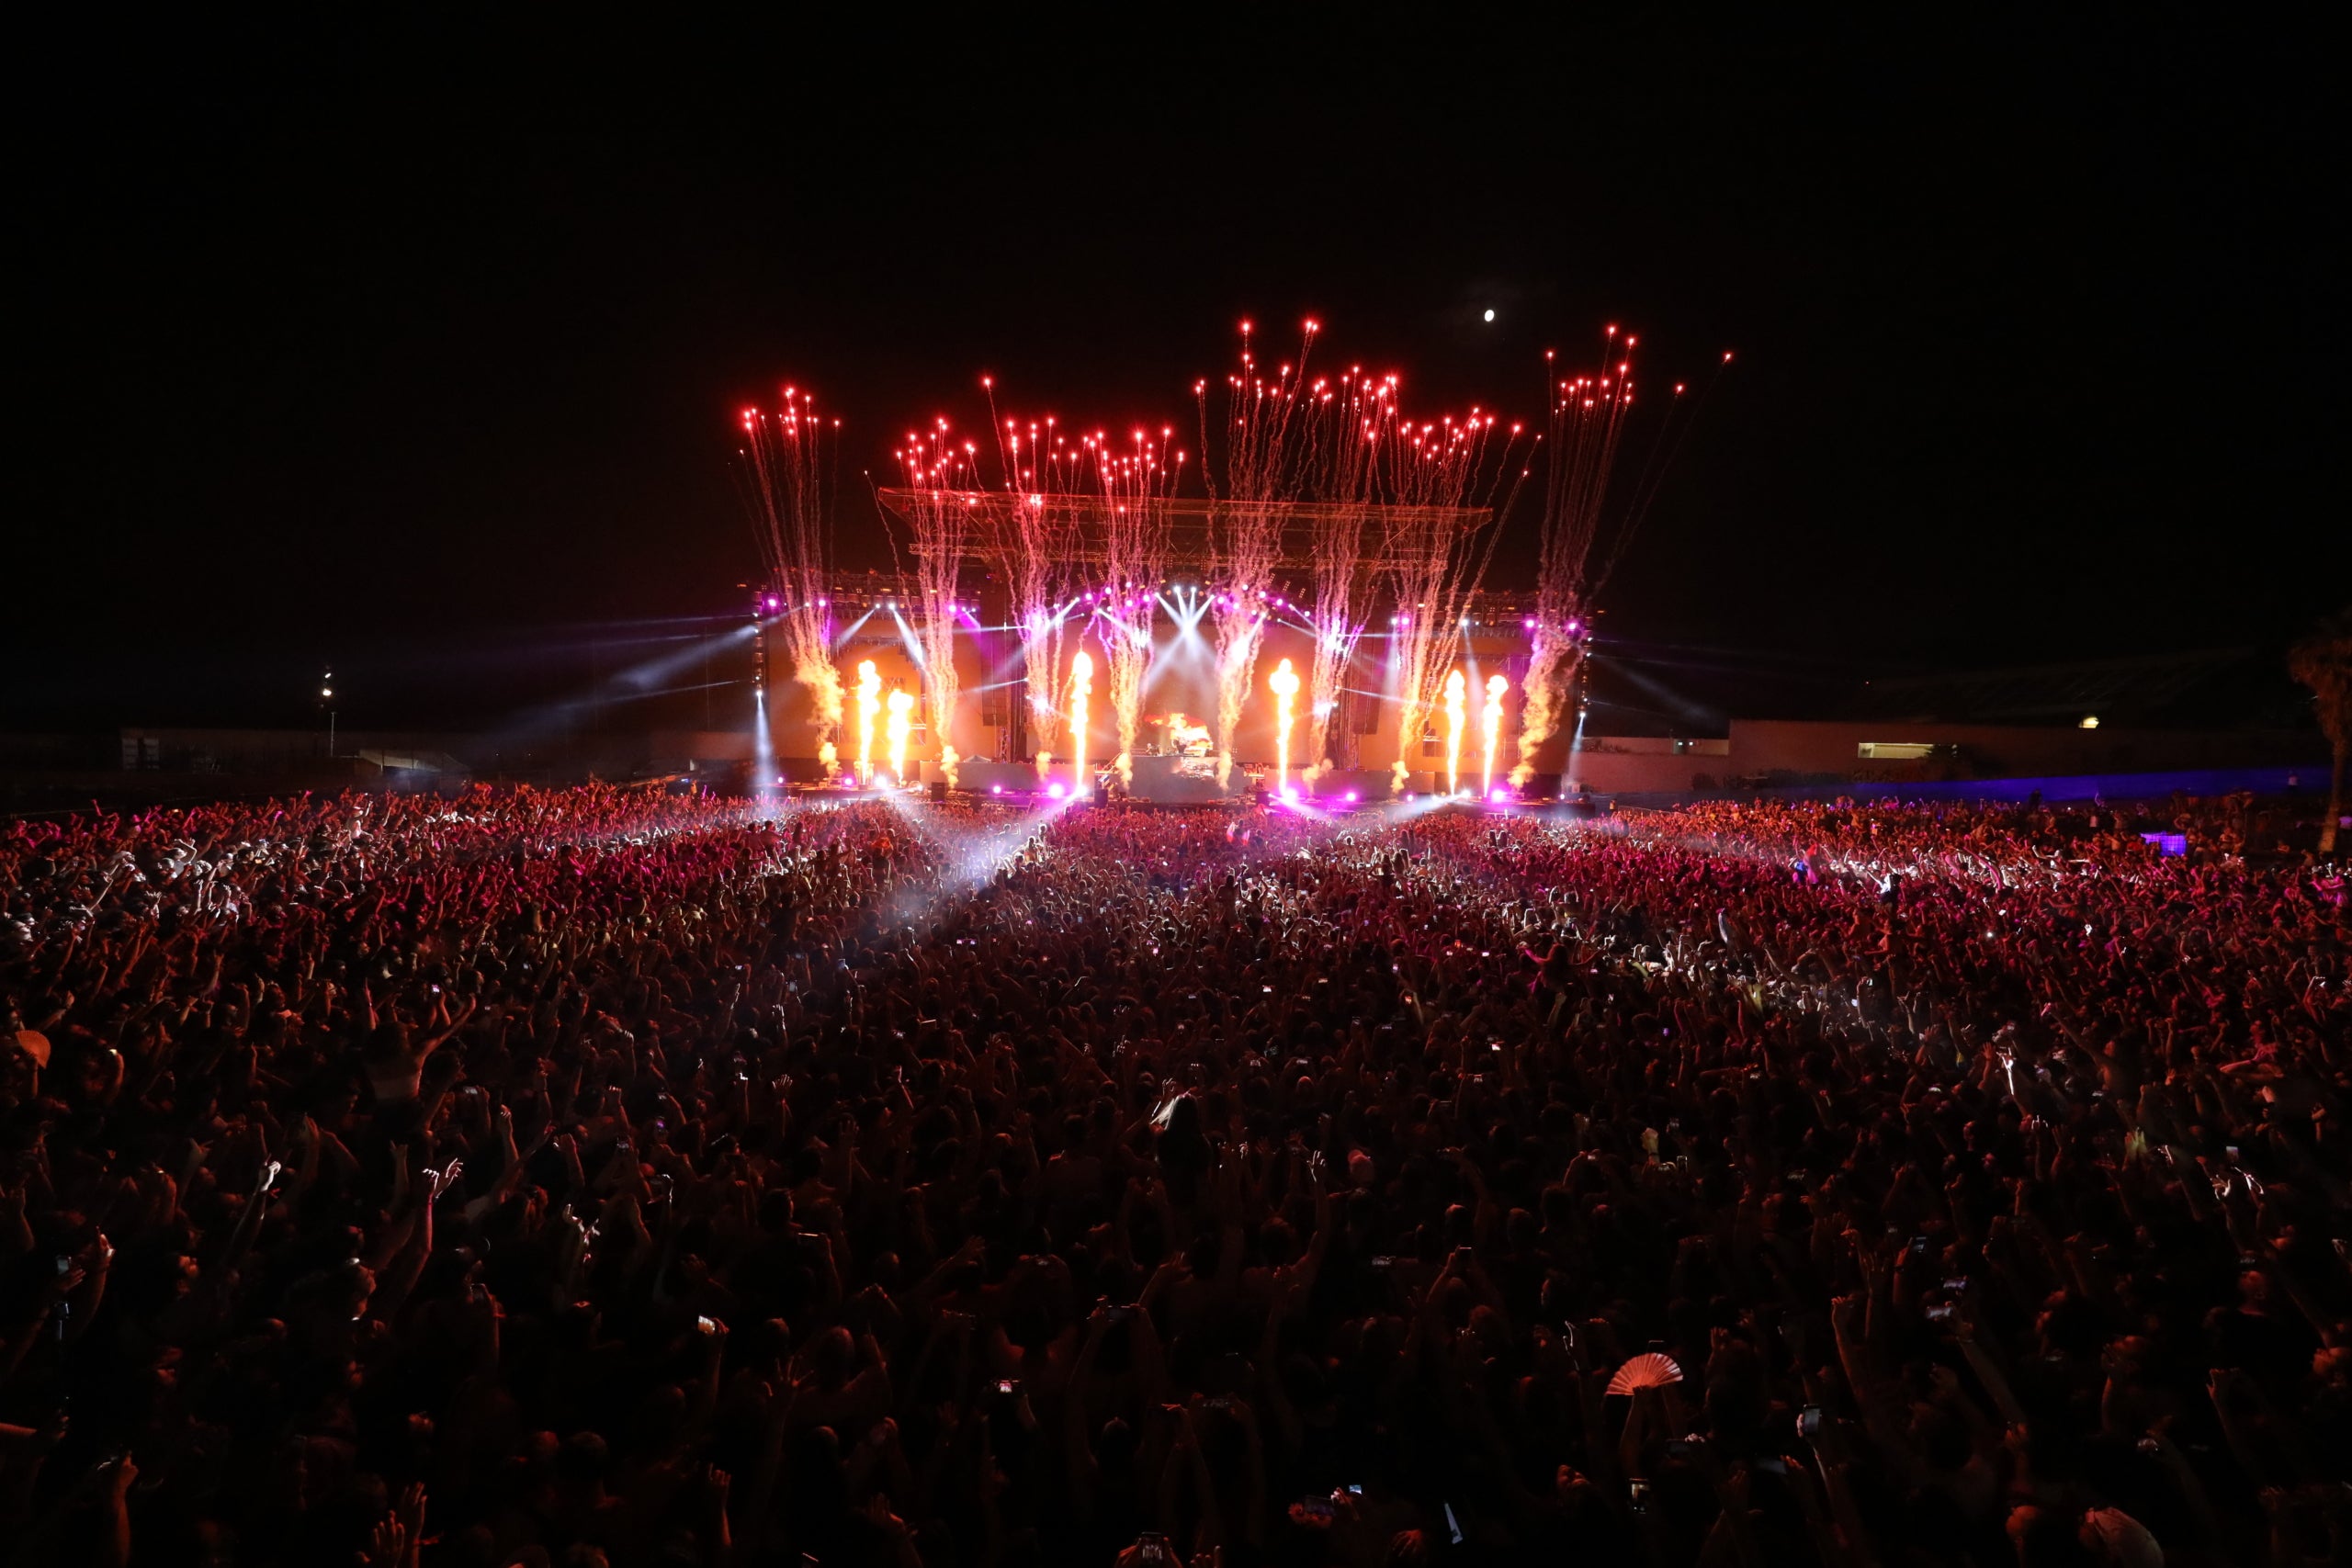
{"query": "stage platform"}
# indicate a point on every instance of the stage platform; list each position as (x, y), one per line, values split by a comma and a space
(1185, 781)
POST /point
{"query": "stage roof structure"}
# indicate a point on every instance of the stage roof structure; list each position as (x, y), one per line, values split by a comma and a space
(1192, 522)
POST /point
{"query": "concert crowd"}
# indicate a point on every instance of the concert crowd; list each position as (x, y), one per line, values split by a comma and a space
(602, 1177)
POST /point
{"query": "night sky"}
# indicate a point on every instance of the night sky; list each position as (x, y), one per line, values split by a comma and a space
(419, 353)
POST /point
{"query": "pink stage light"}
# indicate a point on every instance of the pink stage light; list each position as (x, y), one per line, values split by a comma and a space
(1349, 797)
(1055, 789)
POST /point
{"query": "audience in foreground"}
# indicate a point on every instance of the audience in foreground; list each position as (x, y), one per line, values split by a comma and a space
(602, 1177)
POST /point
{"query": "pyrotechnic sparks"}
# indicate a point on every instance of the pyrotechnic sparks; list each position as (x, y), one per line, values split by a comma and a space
(1454, 688)
(1430, 470)
(1268, 431)
(1081, 531)
(1589, 415)
(1490, 721)
(1288, 437)
(1081, 687)
(1360, 413)
(1137, 485)
(1030, 543)
(900, 724)
(941, 480)
(786, 462)
(869, 708)
(1284, 684)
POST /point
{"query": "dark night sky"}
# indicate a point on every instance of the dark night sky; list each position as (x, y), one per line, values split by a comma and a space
(419, 353)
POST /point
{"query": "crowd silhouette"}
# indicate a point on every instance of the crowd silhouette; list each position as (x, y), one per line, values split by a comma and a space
(608, 1176)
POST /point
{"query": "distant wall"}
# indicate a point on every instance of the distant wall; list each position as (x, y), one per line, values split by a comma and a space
(1991, 751)
(1658, 745)
(1608, 772)
(1793, 753)
(172, 749)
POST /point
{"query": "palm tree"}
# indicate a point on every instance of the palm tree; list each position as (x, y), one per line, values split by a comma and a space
(2323, 662)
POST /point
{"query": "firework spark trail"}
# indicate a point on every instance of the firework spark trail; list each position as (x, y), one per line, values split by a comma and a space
(1269, 428)
(1356, 416)
(1454, 690)
(1588, 419)
(1434, 565)
(1490, 721)
(1136, 487)
(1030, 544)
(787, 459)
(869, 706)
(1284, 683)
(900, 724)
(940, 475)
(1081, 687)
(1340, 585)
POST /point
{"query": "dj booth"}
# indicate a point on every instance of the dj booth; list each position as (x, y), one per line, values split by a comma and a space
(1180, 781)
